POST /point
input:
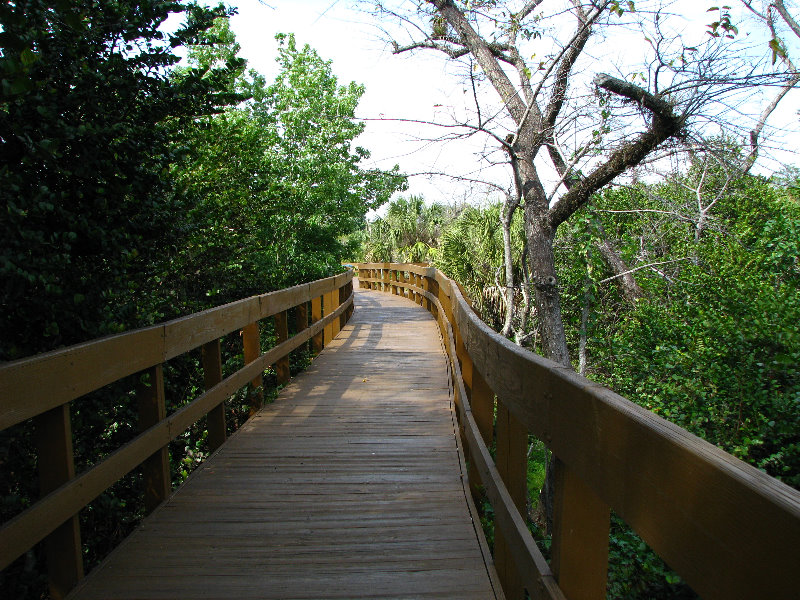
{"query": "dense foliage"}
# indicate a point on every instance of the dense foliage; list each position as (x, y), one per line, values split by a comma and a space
(708, 338)
(86, 119)
(138, 189)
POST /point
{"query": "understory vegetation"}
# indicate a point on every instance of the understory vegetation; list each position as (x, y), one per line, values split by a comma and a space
(705, 335)
(139, 188)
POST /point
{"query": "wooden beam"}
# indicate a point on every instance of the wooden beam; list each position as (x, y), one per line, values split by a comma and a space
(211, 357)
(581, 523)
(56, 467)
(251, 340)
(512, 464)
(316, 315)
(282, 334)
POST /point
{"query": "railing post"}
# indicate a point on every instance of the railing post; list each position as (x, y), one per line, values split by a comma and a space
(211, 357)
(512, 464)
(316, 315)
(342, 298)
(282, 334)
(336, 322)
(327, 308)
(581, 523)
(251, 340)
(152, 409)
(301, 319)
(56, 467)
(482, 405)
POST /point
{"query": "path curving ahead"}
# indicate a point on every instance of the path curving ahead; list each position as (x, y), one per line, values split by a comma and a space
(348, 486)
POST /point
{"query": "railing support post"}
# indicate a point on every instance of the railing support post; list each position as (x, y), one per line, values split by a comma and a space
(482, 404)
(316, 315)
(328, 308)
(581, 523)
(56, 467)
(212, 374)
(301, 319)
(282, 334)
(152, 409)
(512, 463)
(342, 298)
(251, 340)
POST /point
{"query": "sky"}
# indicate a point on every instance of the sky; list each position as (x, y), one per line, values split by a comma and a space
(397, 87)
(402, 88)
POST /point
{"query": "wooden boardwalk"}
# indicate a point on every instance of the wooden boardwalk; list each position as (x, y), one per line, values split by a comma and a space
(349, 486)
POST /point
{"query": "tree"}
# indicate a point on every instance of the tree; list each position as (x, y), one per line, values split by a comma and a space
(277, 182)
(588, 141)
(87, 113)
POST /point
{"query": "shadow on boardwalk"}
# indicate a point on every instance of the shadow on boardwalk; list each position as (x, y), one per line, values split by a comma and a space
(348, 486)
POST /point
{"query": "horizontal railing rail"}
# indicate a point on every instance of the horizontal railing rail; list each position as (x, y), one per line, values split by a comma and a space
(42, 387)
(729, 530)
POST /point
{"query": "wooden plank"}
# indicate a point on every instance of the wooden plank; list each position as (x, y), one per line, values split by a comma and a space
(282, 334)
(316, 315)
(327, 309)
(152, 410)
(581, 526)
(56, 467)
(511, 459)
(26, 529)
(251, 342)
(303, 503)
(31, 386)
(684, 496)
(34, 385)
(211, 358)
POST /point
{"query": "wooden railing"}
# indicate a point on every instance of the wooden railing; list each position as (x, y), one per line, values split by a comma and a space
(731, 531)
(42, 387)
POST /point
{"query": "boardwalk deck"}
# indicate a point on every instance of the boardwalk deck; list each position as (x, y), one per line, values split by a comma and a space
(348, 486)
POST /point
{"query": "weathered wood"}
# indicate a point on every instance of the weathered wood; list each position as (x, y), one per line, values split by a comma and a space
(251, 341)
(511, 459)
(34, 385)
(211, 357)
(31, 526)
(56, 467)
(152, 410)
(482, 405)
(327, 309)
(303, 503)
(684, 496)
(316, 315)
(581, 523)
(282, 334)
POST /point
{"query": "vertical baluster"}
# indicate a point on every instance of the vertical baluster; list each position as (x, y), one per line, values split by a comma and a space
(56, 467)
(342, 297)
(316, 315)
(212, 374)
(482, 403)
(282, 334)
(251, 340)
(334, 306)
(327, 308)
(581, 523)
(301, 319)
(512, 464)
(152, 409)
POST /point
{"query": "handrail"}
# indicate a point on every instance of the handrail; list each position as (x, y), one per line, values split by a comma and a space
(41, 387)
(728, 529)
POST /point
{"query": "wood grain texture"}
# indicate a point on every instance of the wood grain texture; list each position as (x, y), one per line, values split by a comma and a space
(684, 496)
(33, 385)
(348, 486)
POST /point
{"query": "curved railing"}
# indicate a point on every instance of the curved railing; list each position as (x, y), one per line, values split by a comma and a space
(731, 531)
(42, 387)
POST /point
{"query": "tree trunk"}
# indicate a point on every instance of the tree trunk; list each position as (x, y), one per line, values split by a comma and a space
(545, 283)
(506, 216)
